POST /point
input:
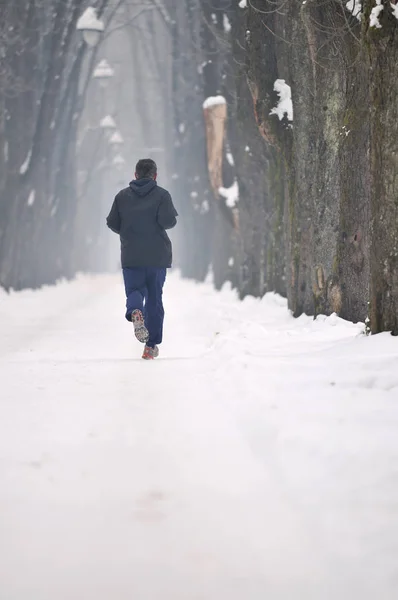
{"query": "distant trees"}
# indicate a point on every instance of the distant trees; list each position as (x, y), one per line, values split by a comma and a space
(41, 57)
(189, 178)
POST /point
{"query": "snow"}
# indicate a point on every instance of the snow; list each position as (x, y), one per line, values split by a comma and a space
(108, 122)
(243, 4)
(226, 23)
(31, 198)
(90, 21)
(285, 105)
(344, 131)
(257, 458)
(375, 14)
(230, 194)
(24, 168)
(230, 158)
(118, 160)
(116, 138)
(214, 101)
(394, 8)
(103, 70)
(160, 6)
(355, 7)
(205, 207)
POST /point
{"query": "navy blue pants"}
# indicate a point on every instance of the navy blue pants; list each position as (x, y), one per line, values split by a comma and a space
(144, 291)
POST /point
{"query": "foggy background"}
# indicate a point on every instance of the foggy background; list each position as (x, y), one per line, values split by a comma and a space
(272, 123)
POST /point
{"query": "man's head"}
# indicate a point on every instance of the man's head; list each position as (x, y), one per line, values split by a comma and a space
(146, 169)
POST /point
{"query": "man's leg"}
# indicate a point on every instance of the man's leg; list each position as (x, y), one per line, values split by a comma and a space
(134, 283)
(135, 286)
(154, 306)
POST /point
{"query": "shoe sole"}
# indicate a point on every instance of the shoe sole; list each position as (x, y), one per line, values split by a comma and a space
(140, 331)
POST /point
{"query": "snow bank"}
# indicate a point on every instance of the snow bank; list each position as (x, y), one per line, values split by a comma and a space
(285, 105)
(280, 433)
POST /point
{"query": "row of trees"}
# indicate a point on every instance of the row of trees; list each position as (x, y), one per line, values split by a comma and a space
(317, 214)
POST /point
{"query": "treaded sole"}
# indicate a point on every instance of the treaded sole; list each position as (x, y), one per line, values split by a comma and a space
(140, 331)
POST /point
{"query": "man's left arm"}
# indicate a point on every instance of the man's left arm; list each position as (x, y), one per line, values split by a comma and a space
(113, 219)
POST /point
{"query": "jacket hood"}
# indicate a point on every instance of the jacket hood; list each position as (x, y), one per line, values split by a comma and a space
(142, 187)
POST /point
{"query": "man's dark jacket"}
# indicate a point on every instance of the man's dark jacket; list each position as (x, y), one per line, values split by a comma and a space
(140, 214)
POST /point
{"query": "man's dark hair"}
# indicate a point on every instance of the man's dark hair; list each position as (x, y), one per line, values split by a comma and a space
(146, 169)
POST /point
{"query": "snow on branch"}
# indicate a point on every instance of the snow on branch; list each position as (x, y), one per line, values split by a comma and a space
(103, 70)
(159, 4)
(90, 21)
(355, 7)
(243, 4)
(394, 8)
(31, 199)
(285, 105)
(226, 24)
(230, 194)
(375, 14)
(108, 122)
(24, 168)
(116, 138)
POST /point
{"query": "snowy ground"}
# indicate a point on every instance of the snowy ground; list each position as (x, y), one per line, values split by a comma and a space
(257, 460)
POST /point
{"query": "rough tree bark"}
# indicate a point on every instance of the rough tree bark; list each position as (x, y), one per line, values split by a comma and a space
(381, 45)
(313, 48)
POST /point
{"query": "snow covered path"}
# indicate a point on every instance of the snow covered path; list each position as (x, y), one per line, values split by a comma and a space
(256, 460)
